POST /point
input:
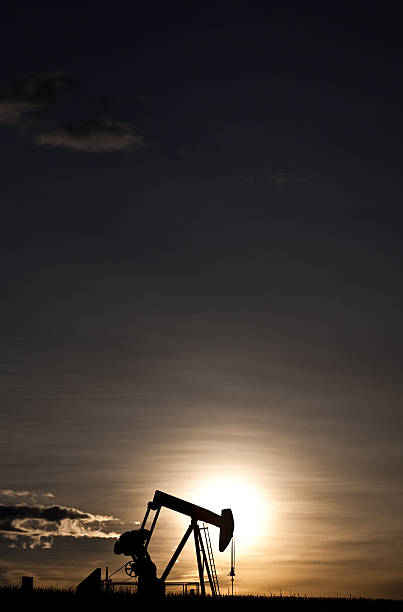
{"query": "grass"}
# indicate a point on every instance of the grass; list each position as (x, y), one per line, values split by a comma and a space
(12, 598)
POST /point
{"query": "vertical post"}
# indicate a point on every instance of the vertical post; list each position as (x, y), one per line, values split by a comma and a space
(27, 583)
(232, 572)
(199, 563)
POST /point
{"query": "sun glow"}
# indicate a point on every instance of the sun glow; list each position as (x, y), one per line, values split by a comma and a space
(250, 509)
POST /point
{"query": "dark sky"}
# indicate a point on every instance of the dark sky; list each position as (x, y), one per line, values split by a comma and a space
(201, 248)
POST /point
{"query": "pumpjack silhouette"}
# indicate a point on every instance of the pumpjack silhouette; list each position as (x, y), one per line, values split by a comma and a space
(135, 543)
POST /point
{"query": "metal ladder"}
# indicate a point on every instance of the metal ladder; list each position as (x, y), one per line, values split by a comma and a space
(210, 560)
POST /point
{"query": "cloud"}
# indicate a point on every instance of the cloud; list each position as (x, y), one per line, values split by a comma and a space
(31, 496)
(36, 91)
(29, 93)
(279, 180)
(41, 88)
(12, 111)
(35, 526)
(282, 180)
(96, 136)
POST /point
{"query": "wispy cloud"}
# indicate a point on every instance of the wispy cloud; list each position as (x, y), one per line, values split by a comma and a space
(35, 526)
(12, 111)
(10, 495)
(283, 180)
(96, 136)
(29, 93)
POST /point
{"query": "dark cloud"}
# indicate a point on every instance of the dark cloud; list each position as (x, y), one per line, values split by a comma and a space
(9, 527)
(36, 525)
(53, 514)
(29, 93)
(41, 88)
(96, 136)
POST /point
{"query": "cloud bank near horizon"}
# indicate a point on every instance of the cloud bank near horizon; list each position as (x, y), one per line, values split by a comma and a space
(35, 526)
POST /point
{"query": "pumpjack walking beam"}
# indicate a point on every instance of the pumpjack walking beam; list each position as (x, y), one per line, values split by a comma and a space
(225, 522)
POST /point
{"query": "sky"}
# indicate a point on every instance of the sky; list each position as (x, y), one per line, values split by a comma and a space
(201, 252)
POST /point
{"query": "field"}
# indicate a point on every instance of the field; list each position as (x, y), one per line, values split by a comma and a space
(12, 598)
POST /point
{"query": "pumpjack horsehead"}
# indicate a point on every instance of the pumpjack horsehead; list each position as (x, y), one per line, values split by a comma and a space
(135, 543)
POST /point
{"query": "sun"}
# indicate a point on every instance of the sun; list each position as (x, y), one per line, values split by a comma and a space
(250, 509)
